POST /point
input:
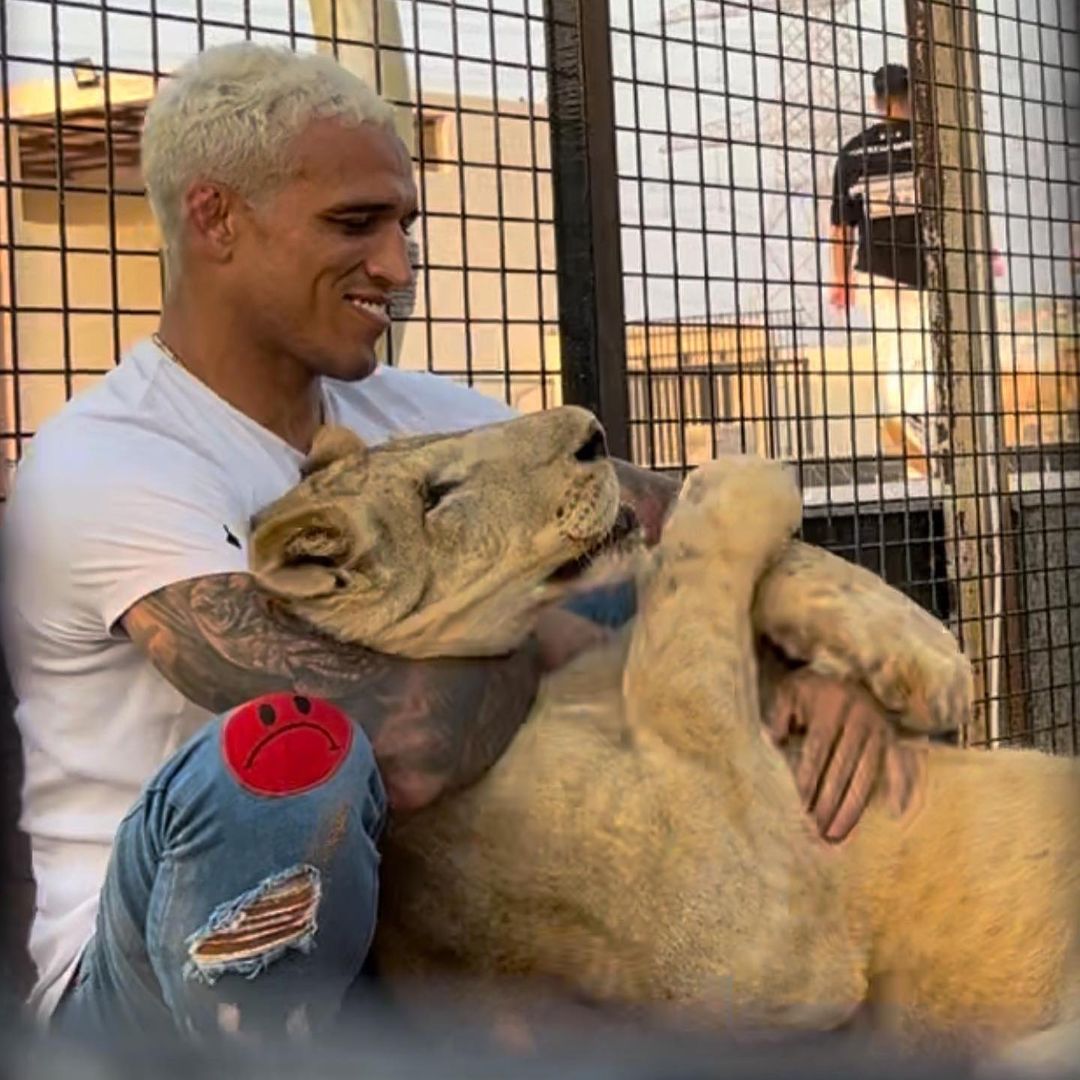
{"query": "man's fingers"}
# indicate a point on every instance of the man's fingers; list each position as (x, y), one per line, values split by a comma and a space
(782, 716)
(902, 772)
(786, 713)
(512, 1033)
(858, 791)
(815, 753)
(848, 751)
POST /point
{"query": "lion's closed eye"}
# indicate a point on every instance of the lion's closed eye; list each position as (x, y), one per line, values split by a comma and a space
(435, 493)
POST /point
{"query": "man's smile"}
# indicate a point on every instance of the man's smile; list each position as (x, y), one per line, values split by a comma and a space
(374, 311)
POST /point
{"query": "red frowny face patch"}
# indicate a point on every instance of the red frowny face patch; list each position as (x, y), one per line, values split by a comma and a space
(285, 744)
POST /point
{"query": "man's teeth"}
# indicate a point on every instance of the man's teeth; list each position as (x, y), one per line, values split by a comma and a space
(372, 306)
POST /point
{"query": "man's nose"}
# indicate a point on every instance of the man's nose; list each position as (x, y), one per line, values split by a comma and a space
(393, 265)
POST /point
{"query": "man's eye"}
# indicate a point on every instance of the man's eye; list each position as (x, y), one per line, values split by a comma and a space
(356, 225)
(434, 493)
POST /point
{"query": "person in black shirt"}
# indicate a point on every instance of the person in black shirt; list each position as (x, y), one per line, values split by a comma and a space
(878, 261)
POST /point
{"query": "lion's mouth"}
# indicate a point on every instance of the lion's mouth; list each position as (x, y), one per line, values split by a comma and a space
(624, 534)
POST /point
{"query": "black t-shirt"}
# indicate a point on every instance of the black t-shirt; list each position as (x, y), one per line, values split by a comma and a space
(874, 190)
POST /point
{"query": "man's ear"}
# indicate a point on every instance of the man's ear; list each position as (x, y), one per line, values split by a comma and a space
(332, 443)
(210, 211)
(312, 552)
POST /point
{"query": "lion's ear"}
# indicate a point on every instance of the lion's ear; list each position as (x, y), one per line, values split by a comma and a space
(331, 443)
(309, 553)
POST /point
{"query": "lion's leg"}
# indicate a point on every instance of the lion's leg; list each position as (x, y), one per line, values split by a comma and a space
(691, 674)
(846, 621)
(757, 935)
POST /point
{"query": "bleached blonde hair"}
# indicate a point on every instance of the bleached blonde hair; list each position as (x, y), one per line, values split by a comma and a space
(230, 116)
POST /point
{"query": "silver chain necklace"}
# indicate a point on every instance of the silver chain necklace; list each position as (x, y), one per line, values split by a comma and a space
(157, 339)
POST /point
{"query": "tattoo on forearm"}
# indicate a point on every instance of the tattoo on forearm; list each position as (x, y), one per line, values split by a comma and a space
(435, 725)
(650, 494)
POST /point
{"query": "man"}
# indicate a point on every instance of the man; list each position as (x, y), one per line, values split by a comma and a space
(171, 891)
(877, 257)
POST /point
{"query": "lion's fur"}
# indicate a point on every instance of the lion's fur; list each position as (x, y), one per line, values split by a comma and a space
(642, 840)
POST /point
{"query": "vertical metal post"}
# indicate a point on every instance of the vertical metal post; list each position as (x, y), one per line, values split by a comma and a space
(943, 61)
(588, 246)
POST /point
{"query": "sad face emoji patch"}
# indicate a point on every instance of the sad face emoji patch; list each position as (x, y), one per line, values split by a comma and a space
(285, 744)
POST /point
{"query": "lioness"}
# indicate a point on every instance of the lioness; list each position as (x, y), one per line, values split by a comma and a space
(642, 840)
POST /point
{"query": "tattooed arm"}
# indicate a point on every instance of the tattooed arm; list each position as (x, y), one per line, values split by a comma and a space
(434, 725)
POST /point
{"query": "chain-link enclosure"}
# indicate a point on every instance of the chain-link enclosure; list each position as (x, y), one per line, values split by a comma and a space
(681, 213)
(80, 248)
(932, 402)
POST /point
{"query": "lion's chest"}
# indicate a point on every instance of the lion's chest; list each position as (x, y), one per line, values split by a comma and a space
(591, 852)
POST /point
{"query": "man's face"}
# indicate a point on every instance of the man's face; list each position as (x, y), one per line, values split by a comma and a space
(897, 106)
(314, 265)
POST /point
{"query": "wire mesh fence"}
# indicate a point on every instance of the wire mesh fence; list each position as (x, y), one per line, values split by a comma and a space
(81, 279)
(683, 213)
(754, 151)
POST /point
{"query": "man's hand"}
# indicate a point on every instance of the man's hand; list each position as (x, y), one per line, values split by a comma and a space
(849, 744)
(841, 250)
(842, 295)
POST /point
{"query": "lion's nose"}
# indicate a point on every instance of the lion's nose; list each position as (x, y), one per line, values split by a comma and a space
(565, 433)
(593, 447)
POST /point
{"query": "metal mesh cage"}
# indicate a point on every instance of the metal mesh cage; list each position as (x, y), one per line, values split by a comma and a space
(629, 204)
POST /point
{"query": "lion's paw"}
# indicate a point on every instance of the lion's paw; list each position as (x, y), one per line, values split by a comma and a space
(940, 687)
(928, 685)
(845, 621)
(739, 504)
(914, 665)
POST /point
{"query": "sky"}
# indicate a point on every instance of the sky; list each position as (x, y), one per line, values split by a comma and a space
(1029, 73)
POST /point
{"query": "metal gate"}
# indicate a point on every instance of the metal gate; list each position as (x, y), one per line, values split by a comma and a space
(627, 205)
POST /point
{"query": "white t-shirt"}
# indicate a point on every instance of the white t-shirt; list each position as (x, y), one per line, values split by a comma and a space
(134, 485)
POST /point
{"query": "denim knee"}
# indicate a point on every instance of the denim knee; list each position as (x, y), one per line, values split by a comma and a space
(299, 798)
(246, 876)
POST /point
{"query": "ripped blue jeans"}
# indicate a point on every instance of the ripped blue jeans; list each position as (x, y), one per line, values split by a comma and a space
(242, 890)
(241, 894)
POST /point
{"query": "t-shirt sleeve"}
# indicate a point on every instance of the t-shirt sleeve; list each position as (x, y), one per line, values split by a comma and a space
(845, 209)
(91, 542)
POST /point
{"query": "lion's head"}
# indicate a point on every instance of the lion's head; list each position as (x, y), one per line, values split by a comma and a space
(440, 545)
